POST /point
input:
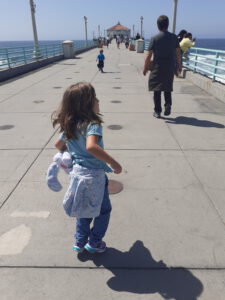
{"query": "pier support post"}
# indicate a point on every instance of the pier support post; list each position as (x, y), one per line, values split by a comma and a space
(174, 16)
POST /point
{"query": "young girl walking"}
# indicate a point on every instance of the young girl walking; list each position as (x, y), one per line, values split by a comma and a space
(87, 198)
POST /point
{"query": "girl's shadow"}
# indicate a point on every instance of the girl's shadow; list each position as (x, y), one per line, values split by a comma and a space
(137, 272)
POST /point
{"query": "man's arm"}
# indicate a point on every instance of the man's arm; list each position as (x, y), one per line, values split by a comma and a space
(147, 62)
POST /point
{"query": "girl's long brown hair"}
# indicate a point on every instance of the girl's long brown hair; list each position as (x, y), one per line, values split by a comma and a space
(76, 109)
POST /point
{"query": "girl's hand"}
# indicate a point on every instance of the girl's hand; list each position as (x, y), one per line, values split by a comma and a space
(116, 167)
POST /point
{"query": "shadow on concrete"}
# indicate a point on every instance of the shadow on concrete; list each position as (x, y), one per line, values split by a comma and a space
(137, 272)
(66, 64)
(193, 122)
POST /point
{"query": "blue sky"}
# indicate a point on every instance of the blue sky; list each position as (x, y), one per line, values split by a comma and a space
(63, 19)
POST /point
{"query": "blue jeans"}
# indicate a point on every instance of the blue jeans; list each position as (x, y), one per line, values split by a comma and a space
(100, 223)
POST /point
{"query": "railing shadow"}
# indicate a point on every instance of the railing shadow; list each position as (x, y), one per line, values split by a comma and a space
(137, 272)
(193, 122)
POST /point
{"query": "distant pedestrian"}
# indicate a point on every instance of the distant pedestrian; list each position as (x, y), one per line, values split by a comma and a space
(100, 59)
(107, 41)
(137, 36)
(181, 34)
(180, 37)
(127, 42)
(87, 197)
(186, 44)
(118, 42)
(165, 49)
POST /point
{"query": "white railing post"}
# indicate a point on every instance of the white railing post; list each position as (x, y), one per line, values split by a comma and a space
(86, 39)
(196, 59)
(216, 64)
(37, 53)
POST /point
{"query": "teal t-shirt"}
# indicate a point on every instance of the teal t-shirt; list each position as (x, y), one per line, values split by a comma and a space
(77, 148)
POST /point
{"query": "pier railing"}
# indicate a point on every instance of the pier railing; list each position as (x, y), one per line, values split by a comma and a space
(207, 62)
(80, 45)
(17, 56)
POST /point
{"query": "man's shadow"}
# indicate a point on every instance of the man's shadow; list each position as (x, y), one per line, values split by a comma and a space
(193, 122)
(137, 272)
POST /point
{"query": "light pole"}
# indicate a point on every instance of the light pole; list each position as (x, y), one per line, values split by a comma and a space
(142, 27)
(174, 15)
(99, 31)
(85, 21)
(36, 51)
(133, 31)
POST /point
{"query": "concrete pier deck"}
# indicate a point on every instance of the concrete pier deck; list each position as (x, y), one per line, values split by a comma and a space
(166, 238)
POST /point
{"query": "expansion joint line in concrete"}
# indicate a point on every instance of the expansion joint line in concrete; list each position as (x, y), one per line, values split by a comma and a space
(196, 176)
(94, 76)
(17, 184)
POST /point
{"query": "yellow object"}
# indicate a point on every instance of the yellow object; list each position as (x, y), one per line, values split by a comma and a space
(186, 43)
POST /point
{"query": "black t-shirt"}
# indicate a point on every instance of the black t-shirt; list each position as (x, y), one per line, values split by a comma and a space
(164, 46)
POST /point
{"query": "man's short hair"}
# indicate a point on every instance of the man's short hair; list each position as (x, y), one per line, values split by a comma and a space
(163, 22)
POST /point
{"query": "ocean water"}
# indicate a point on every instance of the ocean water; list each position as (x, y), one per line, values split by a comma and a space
(216, 44)
(9, 44)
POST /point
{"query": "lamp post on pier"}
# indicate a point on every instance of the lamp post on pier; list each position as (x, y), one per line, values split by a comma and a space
(133, 31)
(142, 27)
(36, 52)
(86, 39)
(174, 15)
(99, 31)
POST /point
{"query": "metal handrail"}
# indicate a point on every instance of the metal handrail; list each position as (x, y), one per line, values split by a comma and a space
(17, 56)
(207, 50)
(207, 62)
(212, 58)
(209, 65)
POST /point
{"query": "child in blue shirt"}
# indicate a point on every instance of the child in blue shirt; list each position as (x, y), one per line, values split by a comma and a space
(100, 59)
(87, 197)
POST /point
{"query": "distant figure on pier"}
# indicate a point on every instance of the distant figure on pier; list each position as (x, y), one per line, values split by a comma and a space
(137, 36)
(180, 37)
(87, 197)
(107, 41)
(127, 42)
(118, 40)
(100, 59)
(165, 49)
(181, 34)
(186, 44)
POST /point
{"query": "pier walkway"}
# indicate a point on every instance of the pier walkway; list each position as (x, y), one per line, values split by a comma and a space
(166, 238)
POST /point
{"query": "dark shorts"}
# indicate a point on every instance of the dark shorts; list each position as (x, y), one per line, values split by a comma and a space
(100, 64)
